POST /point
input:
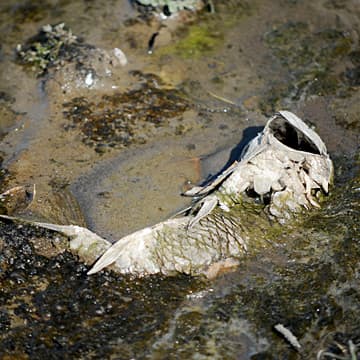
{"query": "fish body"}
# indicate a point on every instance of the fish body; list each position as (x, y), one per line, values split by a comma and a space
(287, 164)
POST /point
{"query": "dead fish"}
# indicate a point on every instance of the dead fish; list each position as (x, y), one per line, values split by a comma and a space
(287, 163)
(282, 171)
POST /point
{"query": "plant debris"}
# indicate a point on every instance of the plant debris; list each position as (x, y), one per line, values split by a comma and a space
(288, 335)
(53, 44)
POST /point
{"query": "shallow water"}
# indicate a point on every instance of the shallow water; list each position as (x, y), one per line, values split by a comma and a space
(215, 78)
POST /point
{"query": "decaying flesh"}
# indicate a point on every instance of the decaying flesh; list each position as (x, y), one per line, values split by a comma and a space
(285, 168)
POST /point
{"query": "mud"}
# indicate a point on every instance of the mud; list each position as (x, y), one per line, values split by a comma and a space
(211, 78)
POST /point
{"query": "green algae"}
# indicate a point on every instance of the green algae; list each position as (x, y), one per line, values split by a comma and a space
(204, 37)
(246, 229)
(199, 41)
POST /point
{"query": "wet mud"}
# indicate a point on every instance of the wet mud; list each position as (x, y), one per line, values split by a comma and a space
(112, 144)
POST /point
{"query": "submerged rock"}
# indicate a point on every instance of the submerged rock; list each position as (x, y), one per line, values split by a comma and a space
(71, 61)
(49, 47)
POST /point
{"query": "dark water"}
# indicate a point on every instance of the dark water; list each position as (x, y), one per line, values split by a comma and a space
(187, 108)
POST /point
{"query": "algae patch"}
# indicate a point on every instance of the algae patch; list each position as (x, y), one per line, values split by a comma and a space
(121, 119)
(198, 41)
(204, 37)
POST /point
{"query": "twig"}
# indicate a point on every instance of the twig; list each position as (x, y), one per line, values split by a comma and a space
(221, 98)
(288, 335)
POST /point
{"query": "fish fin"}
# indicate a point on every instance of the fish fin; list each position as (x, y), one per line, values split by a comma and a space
(208, 205)
(119, 248)
(204, 190)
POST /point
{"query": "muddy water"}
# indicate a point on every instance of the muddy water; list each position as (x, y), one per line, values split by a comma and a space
(211, 81)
